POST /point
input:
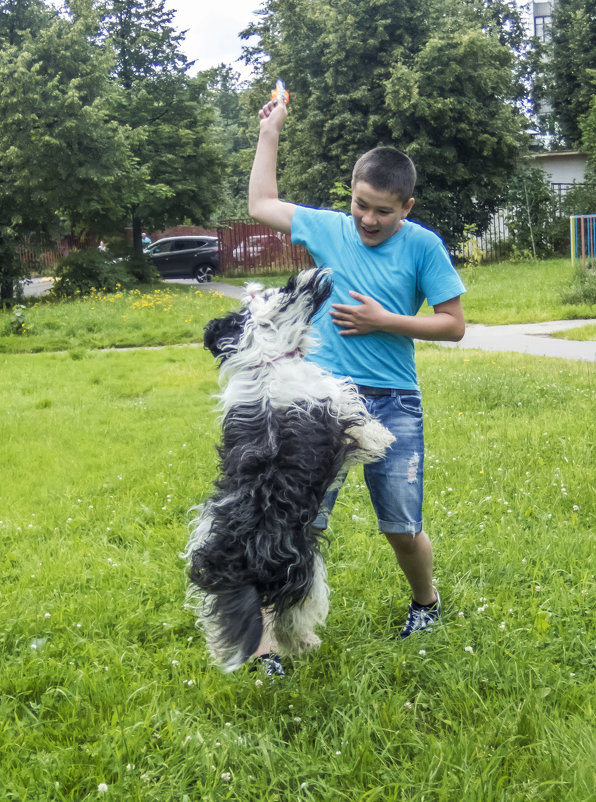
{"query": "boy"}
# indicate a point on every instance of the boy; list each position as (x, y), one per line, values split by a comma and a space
(383, 268)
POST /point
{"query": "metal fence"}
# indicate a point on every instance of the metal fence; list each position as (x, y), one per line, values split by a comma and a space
(44, 257)
(247, 247)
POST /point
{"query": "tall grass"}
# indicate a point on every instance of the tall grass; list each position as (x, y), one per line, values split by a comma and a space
(106, 689)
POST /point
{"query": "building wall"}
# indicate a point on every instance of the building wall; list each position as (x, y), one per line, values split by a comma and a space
(564, 167)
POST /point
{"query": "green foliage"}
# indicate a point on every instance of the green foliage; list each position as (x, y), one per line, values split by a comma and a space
(82, 272)
(581, 198)
(18, 320)
(532, 213)
(582, 289)
(432, 78)
(166, 116)
(572, 65)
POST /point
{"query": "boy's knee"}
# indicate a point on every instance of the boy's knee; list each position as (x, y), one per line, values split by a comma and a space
(403, 542)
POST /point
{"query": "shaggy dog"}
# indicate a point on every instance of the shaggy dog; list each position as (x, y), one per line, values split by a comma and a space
(288, 429)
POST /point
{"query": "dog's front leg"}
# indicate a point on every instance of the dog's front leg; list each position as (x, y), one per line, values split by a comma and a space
(294, 629)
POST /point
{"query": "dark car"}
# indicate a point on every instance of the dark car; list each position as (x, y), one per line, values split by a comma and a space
(185, 257)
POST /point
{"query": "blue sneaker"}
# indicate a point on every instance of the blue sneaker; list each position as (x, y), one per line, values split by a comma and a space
(421, 616)
(271, 665)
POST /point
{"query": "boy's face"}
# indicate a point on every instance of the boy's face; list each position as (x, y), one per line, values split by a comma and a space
(378, 214)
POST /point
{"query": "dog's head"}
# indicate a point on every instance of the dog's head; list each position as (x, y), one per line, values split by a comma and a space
(272, 322)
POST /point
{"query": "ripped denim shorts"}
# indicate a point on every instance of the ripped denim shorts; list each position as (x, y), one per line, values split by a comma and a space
(395, 482)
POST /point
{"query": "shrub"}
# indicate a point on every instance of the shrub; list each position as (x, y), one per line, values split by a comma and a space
(532, 214)
(582, 289)
(83, 271)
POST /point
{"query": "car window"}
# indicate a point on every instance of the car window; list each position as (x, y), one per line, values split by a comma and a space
(161, 247)
(184, 244)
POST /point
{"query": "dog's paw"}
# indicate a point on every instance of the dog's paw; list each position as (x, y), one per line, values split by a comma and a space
(372, 441)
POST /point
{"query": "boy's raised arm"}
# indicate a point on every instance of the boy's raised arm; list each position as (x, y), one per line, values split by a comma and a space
(263, 201)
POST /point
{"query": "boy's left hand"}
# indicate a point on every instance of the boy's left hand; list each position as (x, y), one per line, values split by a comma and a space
(362, 318)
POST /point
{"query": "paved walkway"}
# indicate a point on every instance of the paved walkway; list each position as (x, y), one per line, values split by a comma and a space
(525, 338)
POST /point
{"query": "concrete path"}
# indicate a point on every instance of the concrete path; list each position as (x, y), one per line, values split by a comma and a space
(525, 338)
(528, 338)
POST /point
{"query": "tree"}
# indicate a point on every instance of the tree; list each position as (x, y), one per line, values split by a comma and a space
(430, 77)
(166, 117)
(63, 164)
(573, 56)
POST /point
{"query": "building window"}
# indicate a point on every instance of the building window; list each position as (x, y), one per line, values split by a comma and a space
(542, 28)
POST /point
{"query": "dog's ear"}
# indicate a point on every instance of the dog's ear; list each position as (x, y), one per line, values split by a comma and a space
(221, 335)
(317, 282)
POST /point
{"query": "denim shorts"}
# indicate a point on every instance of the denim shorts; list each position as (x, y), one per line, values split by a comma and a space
(395, 482)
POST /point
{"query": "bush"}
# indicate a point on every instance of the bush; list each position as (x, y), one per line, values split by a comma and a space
(532, 214)
(83, 271)
(582, 289)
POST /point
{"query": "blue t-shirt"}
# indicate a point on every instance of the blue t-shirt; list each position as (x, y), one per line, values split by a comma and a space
(399, 273)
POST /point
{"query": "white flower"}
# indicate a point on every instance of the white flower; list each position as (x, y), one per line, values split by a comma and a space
(258, 682)
(461, 615)
(175, 662)
(502, 625)
(469, 649)
(226, 776)
(102, 788)
(47, 615)
(338, 752)
(422, 652)
(408, 705)
(297, 719)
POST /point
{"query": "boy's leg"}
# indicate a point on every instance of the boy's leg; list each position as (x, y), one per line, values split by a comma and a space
(415, 557)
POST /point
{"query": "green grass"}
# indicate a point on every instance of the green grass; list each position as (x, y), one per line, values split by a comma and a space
(582, 333)
(163, 315)
(508, 292)
(104, 679)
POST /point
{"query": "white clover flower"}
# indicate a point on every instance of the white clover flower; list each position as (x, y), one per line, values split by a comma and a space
(258, 682)
(461, 614)
(422, 652)
(408, 705)
(469, 649)
(502, 625)
(102, 788)
(47, 615)
(297, 719)
(226, 776)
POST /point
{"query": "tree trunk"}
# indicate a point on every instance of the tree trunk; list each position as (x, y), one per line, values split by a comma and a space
(137, 233)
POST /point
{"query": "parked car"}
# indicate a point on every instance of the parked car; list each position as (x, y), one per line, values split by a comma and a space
(258, 249)
(185, 257)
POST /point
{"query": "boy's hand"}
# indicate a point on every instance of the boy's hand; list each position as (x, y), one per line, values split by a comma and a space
(273, 116)
(361, 318)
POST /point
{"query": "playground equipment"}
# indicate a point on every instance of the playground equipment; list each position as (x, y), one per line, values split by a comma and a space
(583, 239)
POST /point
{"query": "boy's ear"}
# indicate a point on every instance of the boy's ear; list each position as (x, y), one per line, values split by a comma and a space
(407, 208)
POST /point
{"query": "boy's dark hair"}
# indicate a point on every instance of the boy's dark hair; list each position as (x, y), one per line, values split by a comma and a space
(387, 169)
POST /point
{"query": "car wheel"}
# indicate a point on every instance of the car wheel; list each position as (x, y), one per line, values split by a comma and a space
(203, 273)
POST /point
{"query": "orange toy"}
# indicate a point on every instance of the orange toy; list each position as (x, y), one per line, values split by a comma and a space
(280, 93)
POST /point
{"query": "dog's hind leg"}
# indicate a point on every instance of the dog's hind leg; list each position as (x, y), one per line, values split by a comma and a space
(294, 629)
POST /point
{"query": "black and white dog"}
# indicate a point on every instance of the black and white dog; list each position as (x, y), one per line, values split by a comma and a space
(288, 428)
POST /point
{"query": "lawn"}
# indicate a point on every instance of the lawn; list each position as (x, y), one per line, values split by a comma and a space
(106, 689)
(509, 292)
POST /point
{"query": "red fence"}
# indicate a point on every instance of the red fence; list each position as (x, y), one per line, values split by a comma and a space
(246, 247)
(45, 257)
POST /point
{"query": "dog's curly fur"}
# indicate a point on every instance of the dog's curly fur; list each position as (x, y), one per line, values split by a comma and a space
(288, 428)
